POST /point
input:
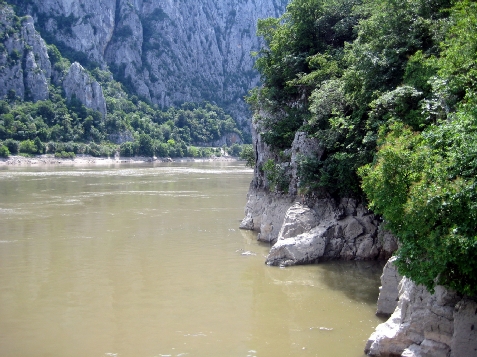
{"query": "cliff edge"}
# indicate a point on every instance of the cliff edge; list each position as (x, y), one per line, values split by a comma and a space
(307, 229)
(442, 324)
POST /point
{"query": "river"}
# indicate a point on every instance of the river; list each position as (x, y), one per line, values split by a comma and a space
(147, 260)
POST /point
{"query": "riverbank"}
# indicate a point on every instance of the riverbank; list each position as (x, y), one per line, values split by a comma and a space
(79, 160)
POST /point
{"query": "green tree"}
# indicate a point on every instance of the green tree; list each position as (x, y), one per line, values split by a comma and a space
(4, 152)
(28, 147)
(146, 146)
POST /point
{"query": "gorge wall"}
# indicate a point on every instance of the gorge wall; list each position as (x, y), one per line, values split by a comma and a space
(169, 51)
(26, 70)
(310, 229)
(422, 324)
(307, 229)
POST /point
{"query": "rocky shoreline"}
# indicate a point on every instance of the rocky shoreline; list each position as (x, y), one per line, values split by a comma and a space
(81, 160)
(305, 230)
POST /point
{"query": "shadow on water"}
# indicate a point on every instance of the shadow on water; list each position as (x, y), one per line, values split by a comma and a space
(358, 280)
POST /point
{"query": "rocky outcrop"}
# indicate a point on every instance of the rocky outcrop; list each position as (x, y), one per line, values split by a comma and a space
(264, 213)
(34, 79)
(329, 231)
(307, 229)
(78, 83)
(424, 324)
(167, 51)
(25, 68)
(388, 291)
(302, 146)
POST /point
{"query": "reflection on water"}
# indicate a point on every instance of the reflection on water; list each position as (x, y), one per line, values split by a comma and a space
(147, 260)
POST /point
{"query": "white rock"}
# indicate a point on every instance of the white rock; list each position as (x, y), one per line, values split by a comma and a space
(78, 83)
(388, 292)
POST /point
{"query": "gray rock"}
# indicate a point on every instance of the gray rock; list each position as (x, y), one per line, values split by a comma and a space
(78, 83)
(307, 236)
(298, 219)
(121, 137)
(172, 51)
(303, 248)
(35, 79)
(265, 213)
(388, 291)
(37, 45)
(427, 325)
(302, 147)
(464, 339)
(25, 67)
(227, 139)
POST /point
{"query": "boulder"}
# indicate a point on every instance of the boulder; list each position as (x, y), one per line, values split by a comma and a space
(309, 235)
(298, 219)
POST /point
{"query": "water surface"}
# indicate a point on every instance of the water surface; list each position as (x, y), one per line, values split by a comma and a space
(146, 260)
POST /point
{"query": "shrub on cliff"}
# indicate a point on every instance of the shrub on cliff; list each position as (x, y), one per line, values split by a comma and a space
(425, 183)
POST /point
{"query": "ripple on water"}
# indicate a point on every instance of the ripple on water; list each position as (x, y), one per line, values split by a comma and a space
(132, 172)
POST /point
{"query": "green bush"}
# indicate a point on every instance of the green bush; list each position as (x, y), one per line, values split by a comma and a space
(28, 147)
(277, 176)
(65, 155)
(4, 152)
(248, 154)
(424, 185)
(12, 145)
(128, 148)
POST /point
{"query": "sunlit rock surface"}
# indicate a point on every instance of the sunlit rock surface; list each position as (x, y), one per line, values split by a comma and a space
(168, 52)
(424, 324)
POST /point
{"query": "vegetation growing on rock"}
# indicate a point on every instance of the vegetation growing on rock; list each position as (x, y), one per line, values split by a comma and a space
(389, 90)
(61, 123)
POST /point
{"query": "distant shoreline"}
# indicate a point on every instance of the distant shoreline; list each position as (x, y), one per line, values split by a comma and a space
(82, 160)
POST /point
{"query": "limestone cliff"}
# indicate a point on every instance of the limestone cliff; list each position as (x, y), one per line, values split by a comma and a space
(78, 83)
(306, 229)
(423, 324)
(26, 70)
(24, 65)
(166, 51)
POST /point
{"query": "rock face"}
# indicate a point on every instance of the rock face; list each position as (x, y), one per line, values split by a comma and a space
(25, 68)
(78, 83)
(168, 51)
(388, 292)
(424, 324)
(309, 229)
(329, 231)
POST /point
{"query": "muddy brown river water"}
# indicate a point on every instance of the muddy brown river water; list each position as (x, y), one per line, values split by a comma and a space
(147, 260)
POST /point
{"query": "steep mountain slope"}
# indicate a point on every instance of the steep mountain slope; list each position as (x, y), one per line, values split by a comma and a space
(167, 52)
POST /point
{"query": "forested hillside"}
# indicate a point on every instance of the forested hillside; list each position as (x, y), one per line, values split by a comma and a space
(53, 106)
(389, 88)
(166, 52)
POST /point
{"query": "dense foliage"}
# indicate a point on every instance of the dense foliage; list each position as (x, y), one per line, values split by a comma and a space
(61, 125)
(389, 90)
